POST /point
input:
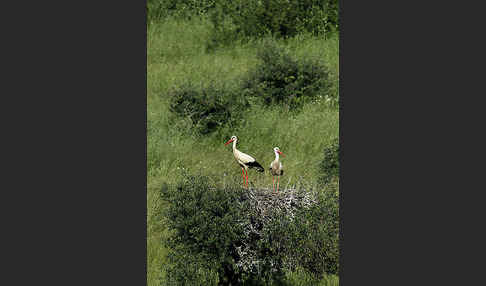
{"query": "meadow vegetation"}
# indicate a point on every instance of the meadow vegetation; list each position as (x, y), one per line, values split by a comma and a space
(269, 89)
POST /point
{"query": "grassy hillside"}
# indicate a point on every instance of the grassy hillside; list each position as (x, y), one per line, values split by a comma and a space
(176, 52)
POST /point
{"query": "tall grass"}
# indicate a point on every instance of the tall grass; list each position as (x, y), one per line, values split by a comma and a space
(176, 52)
(301, 278)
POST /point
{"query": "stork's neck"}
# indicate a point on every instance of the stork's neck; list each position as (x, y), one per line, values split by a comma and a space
(234, 145)
(277, 156)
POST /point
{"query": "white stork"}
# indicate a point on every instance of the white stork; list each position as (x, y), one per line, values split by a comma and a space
(276, 168)
(246, 161)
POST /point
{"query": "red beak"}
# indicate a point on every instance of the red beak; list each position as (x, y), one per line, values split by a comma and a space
(281, 154)
(229, 141)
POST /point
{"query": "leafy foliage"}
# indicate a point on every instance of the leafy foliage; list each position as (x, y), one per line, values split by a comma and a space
(160, 9)
(204, 225)
(207, 108)
(311, 239)
(330, 163)
(281, 18)
(253, 18)
(318, 234)
(209, 225)
(278, 78)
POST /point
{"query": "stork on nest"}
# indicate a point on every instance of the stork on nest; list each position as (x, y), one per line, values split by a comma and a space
(244, 160)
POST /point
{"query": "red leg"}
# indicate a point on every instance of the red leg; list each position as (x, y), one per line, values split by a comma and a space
(278, 182)
(273, 183)
(243, 174)
(246, 178)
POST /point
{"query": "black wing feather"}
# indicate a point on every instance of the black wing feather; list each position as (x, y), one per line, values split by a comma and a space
(255, 165)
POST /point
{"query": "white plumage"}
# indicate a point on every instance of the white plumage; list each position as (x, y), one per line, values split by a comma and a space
(244, 160)
(276, 167)
(241, 157)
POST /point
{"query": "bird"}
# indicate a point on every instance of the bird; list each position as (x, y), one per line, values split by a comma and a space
(246, 161)
(276, 167)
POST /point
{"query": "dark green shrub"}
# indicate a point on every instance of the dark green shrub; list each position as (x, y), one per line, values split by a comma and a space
(224, 31)
(204, 225)
(219, 235)
(317, 242)
(310, 240)
(279, 78)
(322, 16)
(281, 18)
(160, 9)
(330, 163)
(208, 108)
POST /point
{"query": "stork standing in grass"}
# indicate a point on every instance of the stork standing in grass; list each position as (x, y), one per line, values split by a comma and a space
(276, 168)
(246, 161)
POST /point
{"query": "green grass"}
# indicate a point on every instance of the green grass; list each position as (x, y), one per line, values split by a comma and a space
(300, 278)
(176, 52)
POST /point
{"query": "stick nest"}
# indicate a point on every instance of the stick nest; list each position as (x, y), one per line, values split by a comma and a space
(264, 206)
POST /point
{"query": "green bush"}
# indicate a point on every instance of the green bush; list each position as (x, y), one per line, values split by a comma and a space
(318, 248)
(160, 9)
(279, 78)
(204, 224)
(209, 224)
(281, 18)
(207, 108)
(311, 239)
(330, 163)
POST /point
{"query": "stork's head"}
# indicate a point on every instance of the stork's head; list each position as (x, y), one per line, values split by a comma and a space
(277, 150)
(233, 138)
